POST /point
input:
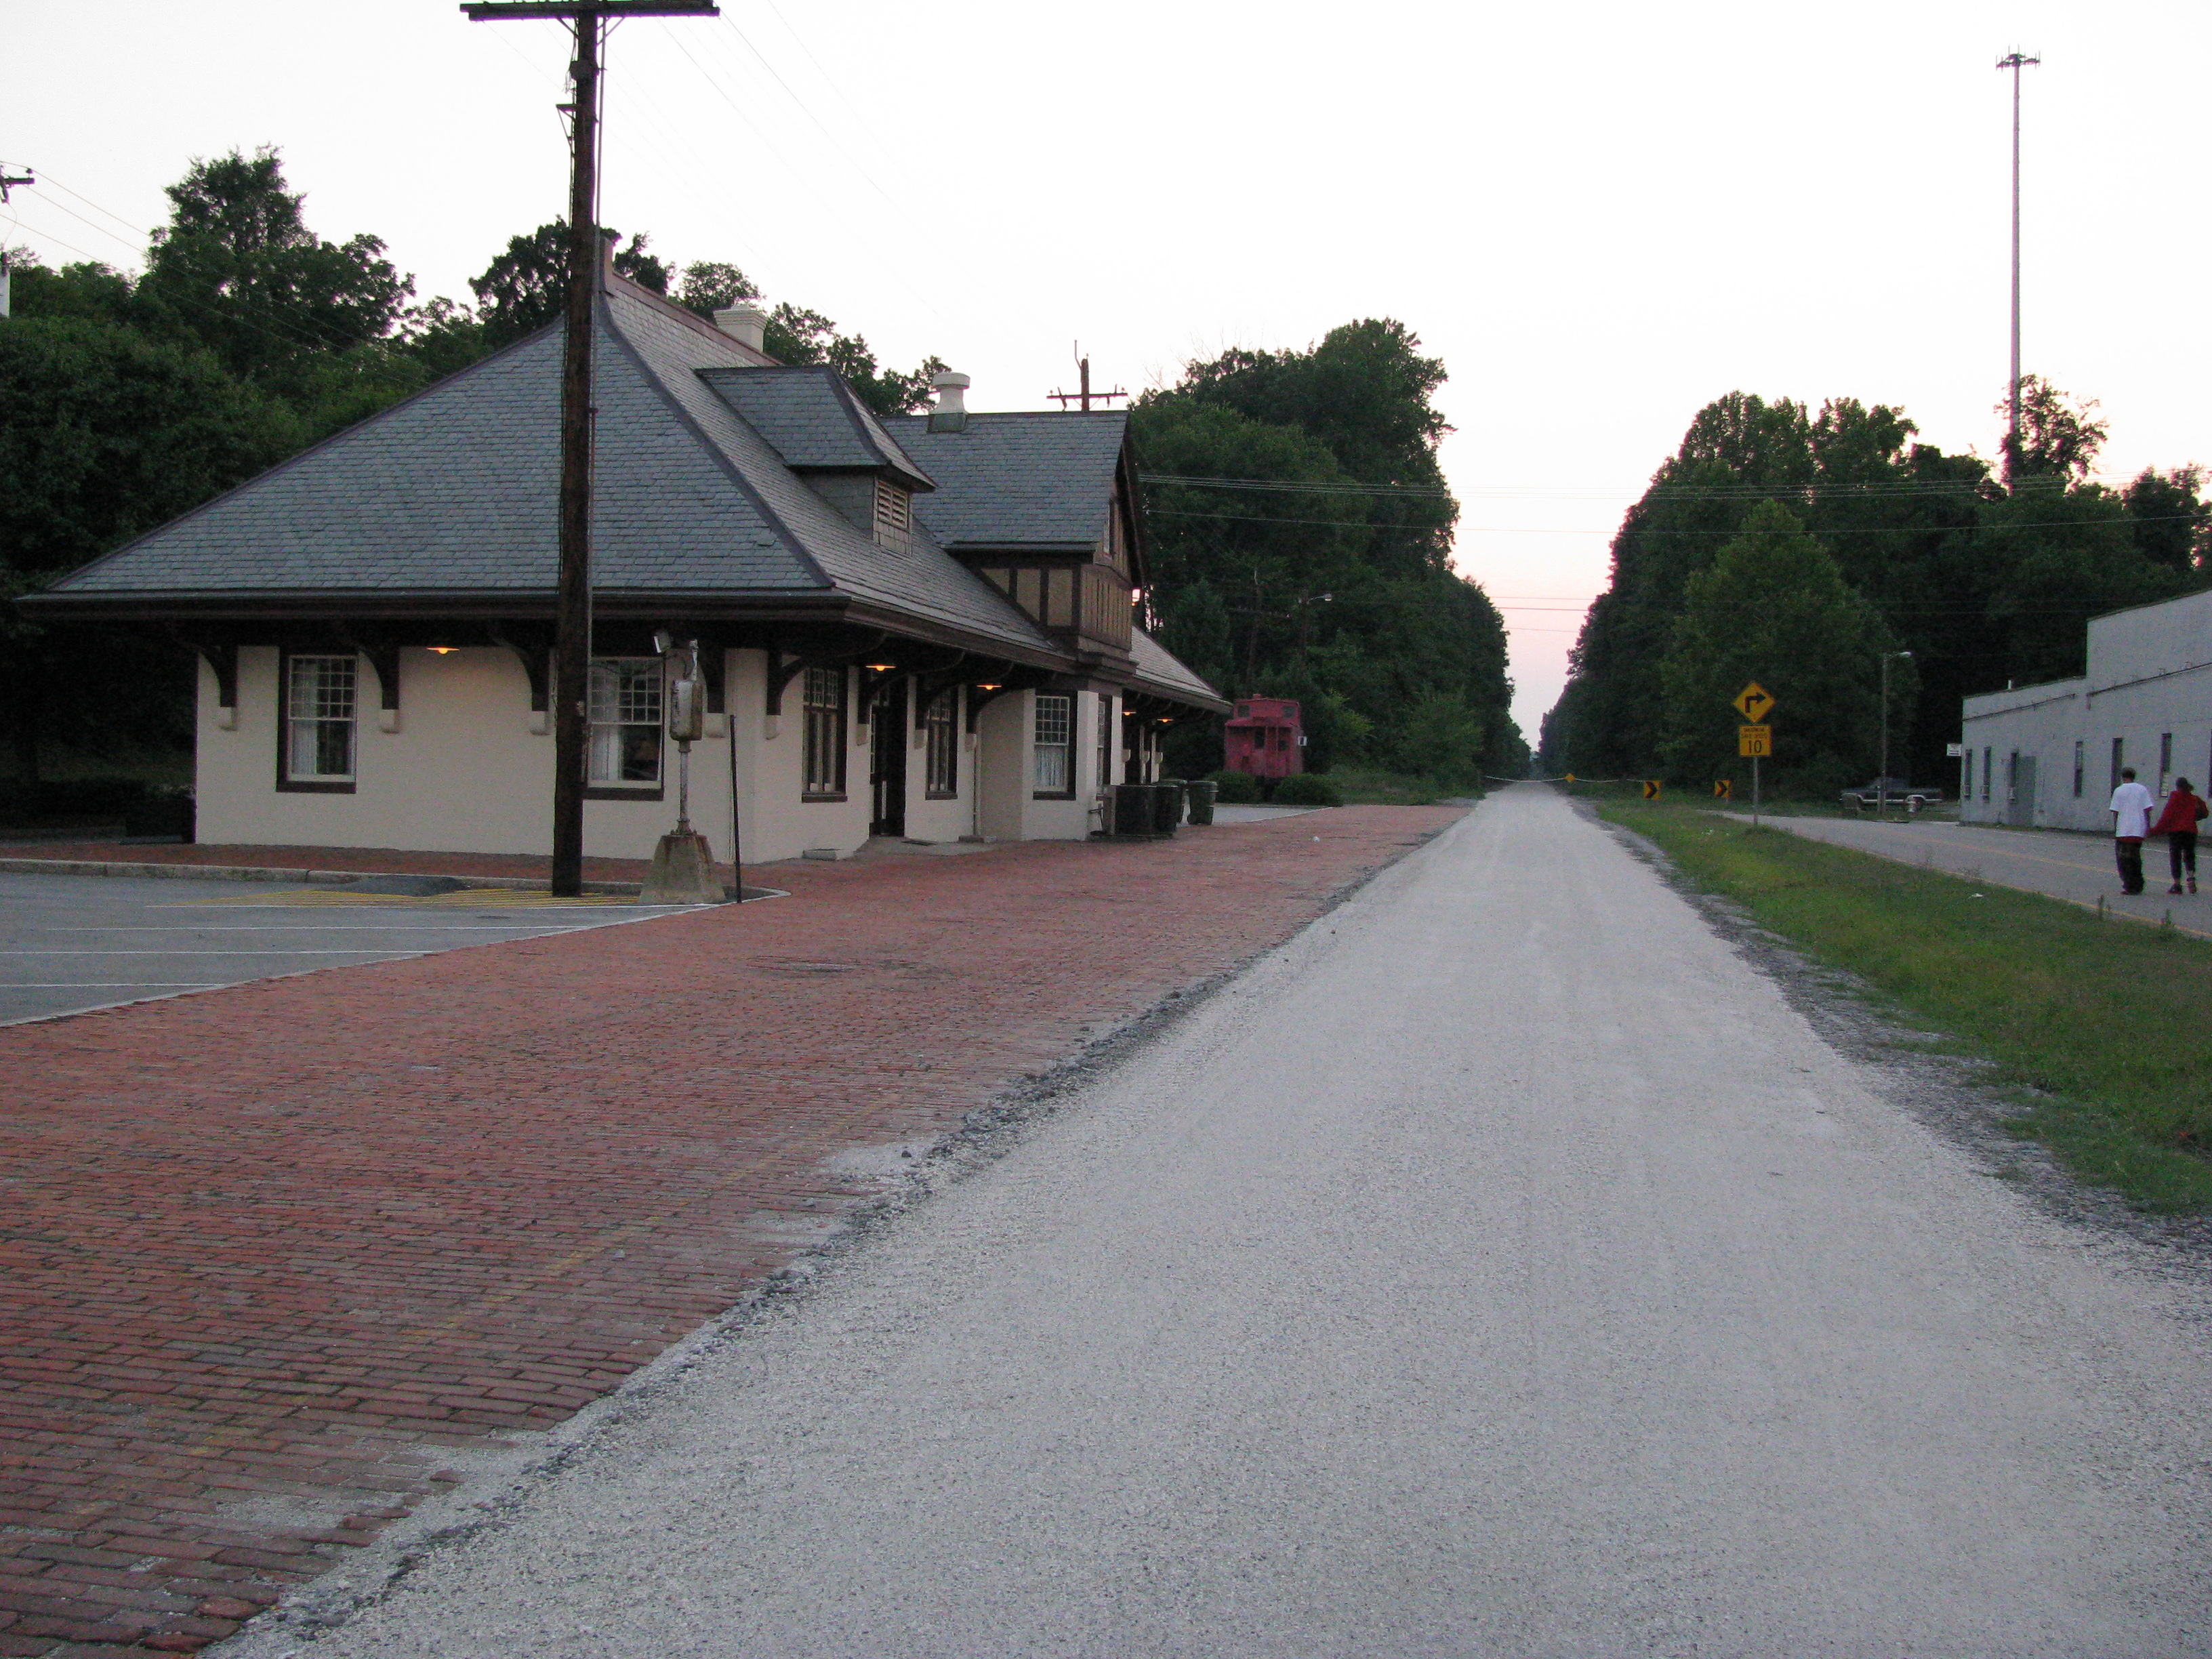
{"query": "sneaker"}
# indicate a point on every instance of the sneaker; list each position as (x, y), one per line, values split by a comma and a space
(2192, 884)
(2175, 888)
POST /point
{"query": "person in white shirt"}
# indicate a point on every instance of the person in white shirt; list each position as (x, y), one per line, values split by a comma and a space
(2131, 805)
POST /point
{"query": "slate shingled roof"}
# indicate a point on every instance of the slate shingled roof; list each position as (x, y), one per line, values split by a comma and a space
(1158, 669)
(454, 493)
(450, 499)
(813, 420)
(1036, 479)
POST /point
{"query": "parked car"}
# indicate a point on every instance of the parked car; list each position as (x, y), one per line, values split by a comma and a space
(1868, 797)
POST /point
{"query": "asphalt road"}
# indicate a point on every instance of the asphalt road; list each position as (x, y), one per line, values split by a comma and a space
(2062, 863)
(1504, 1268)
(72, 943)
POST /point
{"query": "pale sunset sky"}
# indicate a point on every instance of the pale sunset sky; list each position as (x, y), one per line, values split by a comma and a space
(1600, 216)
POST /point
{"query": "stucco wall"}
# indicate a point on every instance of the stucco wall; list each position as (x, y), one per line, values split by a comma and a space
(465, 773)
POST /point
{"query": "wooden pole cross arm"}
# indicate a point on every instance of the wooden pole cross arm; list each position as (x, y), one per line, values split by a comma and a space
(491, 11)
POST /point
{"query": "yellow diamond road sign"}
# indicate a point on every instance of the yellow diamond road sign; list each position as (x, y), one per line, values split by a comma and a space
(1754, 701)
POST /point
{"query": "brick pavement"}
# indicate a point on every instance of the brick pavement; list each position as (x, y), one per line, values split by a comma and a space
(274, 1258)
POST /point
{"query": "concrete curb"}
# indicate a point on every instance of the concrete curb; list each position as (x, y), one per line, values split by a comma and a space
(248, 872)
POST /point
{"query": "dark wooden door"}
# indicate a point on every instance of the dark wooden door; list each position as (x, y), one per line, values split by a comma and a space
(887, 747)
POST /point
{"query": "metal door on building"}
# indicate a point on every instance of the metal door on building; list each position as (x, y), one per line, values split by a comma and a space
(887, 747)
(2020, 793)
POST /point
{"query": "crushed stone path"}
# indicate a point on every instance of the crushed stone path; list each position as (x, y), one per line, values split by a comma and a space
(1504, 1268)
(279, 1260)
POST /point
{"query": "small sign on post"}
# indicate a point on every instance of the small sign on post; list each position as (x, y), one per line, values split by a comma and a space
(1755, 738)
(1652, 789)
(1723, 789)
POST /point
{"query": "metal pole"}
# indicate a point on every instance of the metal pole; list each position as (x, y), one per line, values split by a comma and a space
(2015, 62)
(572, 629)
(1754, 792)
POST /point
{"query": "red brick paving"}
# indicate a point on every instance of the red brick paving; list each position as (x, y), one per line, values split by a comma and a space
(298, 1241)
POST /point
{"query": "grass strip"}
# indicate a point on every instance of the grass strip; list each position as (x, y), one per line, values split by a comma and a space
(2099, 1025)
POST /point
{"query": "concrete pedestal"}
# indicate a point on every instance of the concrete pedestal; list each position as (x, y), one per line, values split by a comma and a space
(683, 872)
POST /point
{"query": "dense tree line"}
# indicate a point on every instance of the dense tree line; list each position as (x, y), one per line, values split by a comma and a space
(127, 400)
(1803, 549)
(1322, 572)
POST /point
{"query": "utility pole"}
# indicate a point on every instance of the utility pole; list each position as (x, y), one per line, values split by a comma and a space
(1085, 396)
(2015, 62)
(572, 625)
(7, 182)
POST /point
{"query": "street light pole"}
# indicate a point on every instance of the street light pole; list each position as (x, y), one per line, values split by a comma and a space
(2015, 62)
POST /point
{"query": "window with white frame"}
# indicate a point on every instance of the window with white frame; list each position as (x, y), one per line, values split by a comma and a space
(822, 702)
(941, 725)
(625, 707)
(1053, 746)
(318, 719)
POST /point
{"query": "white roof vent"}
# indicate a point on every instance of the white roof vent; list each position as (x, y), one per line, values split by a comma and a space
(745, 323)
(950, 414)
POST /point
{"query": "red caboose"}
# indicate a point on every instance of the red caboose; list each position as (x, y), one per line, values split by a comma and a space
(1264, 739)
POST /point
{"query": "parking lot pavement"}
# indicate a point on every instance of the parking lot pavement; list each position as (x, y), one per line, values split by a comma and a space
(73, 943)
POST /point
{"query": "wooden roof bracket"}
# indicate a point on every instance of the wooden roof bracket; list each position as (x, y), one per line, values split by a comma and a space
(220, 653)
(532, 645)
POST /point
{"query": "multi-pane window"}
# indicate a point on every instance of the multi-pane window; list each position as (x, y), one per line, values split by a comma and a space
(318, 712)
(1988, 762)
(2081, 764)
(822, 700)
(2164, 759)
(941, 727)
(2119, 759)
(625, 706)
(1053, 745)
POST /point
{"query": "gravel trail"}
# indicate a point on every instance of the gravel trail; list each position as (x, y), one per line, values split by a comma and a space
(1503, 1269)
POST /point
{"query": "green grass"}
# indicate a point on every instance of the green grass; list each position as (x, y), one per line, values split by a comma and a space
(2099, 1028)
(59, 765)
(1363, 787)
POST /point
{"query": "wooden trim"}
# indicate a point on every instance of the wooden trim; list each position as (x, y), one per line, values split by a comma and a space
(808, 800)
(286, 784)
(605, 791)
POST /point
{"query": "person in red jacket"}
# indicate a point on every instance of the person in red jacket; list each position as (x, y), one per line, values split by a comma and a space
(2177, 821)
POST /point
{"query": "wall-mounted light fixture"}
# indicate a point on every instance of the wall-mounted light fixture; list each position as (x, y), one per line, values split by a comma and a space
(880, 667)
(987, 685)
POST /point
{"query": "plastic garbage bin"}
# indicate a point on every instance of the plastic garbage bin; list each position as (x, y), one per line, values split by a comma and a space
(1134, 809)
(1198, 792)
(1167, 805)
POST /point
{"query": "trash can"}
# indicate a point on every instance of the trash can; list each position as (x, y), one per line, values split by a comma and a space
(1133, 810)
(1200, 791)
(1167, 805)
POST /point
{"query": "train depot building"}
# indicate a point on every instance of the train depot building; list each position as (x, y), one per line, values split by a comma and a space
(922, 626)
(2049, 756)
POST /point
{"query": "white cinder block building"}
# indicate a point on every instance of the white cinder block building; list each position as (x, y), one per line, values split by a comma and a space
(2050, 755)
(922, 627)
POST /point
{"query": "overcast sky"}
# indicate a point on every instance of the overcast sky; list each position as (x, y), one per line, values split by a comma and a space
(1600, 217)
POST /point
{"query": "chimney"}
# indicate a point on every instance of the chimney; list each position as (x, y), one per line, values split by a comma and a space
(745, 323)
(950, 414)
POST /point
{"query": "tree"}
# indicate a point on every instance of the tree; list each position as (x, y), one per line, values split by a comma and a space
(1335, 593)
(236, 269)
(104, 434)
(1773, 607)
(2057, 439)
(525, 288)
